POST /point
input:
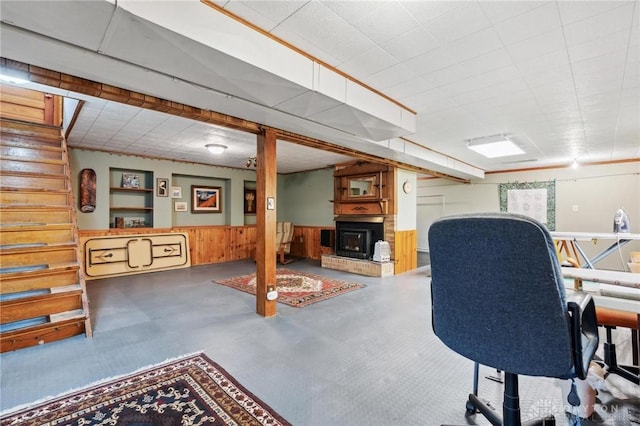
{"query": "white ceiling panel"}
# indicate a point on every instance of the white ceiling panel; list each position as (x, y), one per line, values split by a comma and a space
(600, 25)
(530, 24)
(562, 77)
(460, 22)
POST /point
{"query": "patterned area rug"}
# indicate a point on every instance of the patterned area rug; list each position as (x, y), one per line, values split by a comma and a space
(189, 391)
(296, 288)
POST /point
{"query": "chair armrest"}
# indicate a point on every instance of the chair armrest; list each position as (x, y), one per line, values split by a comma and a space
(584, 330)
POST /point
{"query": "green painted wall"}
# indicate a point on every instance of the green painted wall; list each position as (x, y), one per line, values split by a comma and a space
(304, 198)
(179, 174)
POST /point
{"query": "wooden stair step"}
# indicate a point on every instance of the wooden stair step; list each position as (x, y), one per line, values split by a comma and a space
(37, 303)
(39, 214)
(26, 129)
(57, 327)
(42, 288)
(34, 197)
(33, 277)
(23, 268)
(10, 139)
(50, 253)
(46, 166)
(31, 152)
(33, 181)
(36, 234)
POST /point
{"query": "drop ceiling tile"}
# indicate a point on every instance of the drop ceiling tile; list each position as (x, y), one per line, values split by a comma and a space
(430, 61)
(541, 63)
(450, 74)
(486, 82)
(409, 88)
(265, 14)
(473, 45)
(574, 11)
(410, 43)
(426, 11)
(549, 75)
(459, 22)
(537, 46)
(530, 24)
(609, 43)
(383, 21)
(498, 11)
(368, 62)
(600, 25)
(391, 76)
(604, 65)
(326, 31)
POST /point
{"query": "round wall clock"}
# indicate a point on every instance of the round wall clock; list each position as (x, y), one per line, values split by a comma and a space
(406, 187)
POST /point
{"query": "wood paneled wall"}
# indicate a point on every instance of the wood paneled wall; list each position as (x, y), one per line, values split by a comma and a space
(18, 103)
(216, 244)
(406, 253)
(306, 241)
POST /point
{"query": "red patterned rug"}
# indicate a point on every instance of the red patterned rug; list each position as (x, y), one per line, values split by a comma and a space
(295, 288)
(188, 391)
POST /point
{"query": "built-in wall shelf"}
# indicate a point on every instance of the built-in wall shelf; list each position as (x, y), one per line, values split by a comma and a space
(116, 188)
(130, 198)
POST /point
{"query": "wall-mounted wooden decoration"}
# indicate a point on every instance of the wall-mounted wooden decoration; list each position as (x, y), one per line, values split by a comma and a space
(87, 190)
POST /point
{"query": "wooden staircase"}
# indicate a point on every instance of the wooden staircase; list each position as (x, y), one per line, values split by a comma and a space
(42, 290)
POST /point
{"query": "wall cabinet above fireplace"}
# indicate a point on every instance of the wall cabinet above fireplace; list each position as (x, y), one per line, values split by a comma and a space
(377, 207)
(363, 189)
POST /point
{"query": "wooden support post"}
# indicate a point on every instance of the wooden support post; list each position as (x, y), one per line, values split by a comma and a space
(266, 185)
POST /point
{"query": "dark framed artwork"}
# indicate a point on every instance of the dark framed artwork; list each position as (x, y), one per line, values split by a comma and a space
(250, 201)
(162, 187)
(206, 199)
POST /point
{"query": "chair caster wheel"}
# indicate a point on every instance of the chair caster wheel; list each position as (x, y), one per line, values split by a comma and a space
(471, 409)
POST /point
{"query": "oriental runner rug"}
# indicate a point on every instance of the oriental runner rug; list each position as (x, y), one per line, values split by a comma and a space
(295, 288)
(192, 390)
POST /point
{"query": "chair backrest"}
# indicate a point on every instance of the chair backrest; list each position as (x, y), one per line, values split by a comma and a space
(284, 235)
(498, 293)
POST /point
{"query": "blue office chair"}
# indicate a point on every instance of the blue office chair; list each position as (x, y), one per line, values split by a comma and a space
(498, 298)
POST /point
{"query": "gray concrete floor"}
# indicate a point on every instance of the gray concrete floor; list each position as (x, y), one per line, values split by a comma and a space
(368, 357)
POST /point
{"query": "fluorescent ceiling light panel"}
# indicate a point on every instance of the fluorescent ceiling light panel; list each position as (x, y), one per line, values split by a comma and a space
(495, 148)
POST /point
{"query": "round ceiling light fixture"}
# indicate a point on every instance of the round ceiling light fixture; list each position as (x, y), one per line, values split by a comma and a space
(215, 148)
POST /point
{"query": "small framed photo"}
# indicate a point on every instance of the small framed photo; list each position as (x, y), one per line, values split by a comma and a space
(206, 199)
(249, 201)
(130, 180)
(176, 192)
(180, 206)
(162, 187)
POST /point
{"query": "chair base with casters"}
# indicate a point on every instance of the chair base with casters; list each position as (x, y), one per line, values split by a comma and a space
(510, 408)
(498, 299)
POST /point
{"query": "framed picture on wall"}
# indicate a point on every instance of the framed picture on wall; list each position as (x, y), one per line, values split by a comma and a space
(249, 201)
(206, 199)
(180, 206)
(176, 192)
(130, 180)
(162, 187)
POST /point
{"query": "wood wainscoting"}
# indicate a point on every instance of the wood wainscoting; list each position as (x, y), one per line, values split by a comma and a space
(406, 253)
(217, 244)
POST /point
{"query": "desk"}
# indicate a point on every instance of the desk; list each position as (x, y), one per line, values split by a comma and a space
(572, 238)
